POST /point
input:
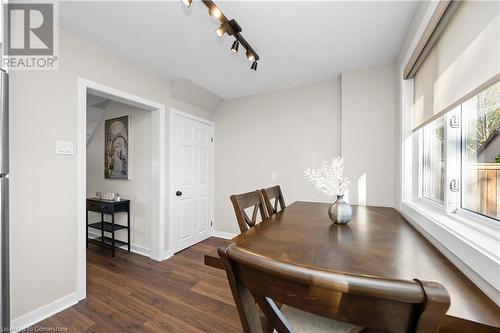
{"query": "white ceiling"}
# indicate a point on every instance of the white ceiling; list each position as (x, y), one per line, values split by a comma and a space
(298, 42)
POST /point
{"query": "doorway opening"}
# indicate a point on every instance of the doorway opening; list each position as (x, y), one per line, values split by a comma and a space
(120, 149)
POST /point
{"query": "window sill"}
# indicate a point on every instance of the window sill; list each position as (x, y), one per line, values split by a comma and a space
(473, 247)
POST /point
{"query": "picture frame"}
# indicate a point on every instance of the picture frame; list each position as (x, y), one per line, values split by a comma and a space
(116, 148)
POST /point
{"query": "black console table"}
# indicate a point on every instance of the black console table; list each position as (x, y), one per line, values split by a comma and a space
(108, 207)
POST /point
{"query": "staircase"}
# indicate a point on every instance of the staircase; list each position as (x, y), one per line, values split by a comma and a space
(96, 108)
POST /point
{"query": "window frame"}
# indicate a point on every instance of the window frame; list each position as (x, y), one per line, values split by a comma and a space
(472, 247)
(455, 140)
(421, 182)
(470, 240)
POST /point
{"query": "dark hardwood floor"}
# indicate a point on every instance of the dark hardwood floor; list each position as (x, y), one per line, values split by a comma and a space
(132, 293)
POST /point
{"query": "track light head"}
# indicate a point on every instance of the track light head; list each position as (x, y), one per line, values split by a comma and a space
(254, 65)
(231, 28)
(215, 12)
(236, 46)
(220, 31)
(250, 55)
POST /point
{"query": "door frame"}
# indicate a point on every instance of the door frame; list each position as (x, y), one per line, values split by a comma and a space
(211, 164)
(157, 210)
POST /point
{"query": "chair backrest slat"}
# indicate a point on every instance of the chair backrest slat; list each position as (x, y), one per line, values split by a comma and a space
(273, 193)
(380, 305)
(246, 200)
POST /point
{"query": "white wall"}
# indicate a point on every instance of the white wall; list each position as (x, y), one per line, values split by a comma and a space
(43, 190)
(2, 2)
(186, 90)
(284, 132)
(368, 134)
(138, 187)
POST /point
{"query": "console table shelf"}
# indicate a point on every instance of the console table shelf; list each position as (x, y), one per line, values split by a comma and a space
(106, 242)
(110, 208)
(106, 226)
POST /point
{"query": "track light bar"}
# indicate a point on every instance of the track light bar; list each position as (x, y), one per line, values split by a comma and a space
(232, 28)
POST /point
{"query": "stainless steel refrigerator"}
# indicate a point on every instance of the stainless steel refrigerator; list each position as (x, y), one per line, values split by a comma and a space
(4, 203)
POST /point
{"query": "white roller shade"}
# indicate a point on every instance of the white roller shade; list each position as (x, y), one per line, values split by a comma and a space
(466, 56)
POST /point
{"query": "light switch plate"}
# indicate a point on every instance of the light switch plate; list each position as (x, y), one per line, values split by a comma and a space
(64, 148)
(274, 176)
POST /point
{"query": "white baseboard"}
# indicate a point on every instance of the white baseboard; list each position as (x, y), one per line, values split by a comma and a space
(138, 249)
(166, 255)
(133, 247)
(36, 316)
(222, 234)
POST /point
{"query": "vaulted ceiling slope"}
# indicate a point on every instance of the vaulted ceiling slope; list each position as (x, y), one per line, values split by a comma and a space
(299, 42)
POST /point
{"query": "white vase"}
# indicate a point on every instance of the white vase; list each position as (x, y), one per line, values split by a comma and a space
(340, 212)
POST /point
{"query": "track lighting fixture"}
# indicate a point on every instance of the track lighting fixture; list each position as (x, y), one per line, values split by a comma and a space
(236, 46)
(230, 27)
(250, 55)
(220, 31)
(215, 12)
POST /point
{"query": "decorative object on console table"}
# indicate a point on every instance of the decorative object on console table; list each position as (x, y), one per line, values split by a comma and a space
(108, 207)
(110, 196)
(329, 179)
(116, 154)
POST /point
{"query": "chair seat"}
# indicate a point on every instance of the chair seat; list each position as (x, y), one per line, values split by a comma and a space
(305, 322)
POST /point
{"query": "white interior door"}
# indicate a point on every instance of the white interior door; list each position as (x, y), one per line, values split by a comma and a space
(192, 181)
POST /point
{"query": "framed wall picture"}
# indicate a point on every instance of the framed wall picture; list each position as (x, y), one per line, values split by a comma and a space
(116, 148)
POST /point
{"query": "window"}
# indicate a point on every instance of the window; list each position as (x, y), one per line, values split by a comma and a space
(434, 161)
(481, 153)
(451, 188)
(469, 136)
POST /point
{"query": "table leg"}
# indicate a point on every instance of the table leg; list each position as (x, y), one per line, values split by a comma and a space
(113, 234)
(87, 226)
(128, 227)
(102, 225)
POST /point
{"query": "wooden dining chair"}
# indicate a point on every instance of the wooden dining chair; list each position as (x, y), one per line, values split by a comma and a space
(247, 200)
(357, 303)
(276, 194)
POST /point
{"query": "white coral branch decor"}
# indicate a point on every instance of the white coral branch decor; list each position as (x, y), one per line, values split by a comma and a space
(329, 177)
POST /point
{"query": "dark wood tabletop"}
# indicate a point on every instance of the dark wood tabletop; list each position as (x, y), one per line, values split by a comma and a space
(378, 242)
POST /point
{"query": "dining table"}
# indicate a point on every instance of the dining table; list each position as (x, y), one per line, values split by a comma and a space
(379, 242)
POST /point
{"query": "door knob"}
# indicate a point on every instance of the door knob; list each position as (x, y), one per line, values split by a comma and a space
(178, 193)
